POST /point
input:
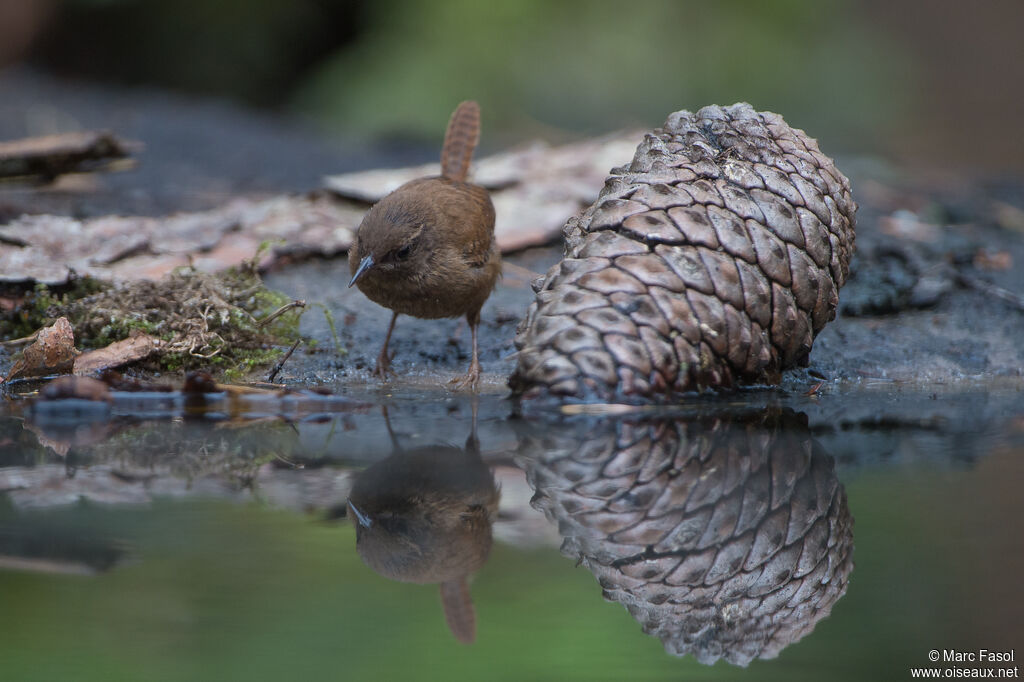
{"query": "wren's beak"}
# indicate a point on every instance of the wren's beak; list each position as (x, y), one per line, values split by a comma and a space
(364, 520)
(364, 265)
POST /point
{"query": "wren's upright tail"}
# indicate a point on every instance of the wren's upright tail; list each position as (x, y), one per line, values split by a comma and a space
(460, 141)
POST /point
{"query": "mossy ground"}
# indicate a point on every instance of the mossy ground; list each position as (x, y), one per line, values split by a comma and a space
(207, 321)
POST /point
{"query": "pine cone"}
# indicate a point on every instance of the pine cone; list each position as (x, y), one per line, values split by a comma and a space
(723, 539)
(714, 258)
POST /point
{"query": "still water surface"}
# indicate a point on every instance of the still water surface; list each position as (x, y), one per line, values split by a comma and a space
(394, 536)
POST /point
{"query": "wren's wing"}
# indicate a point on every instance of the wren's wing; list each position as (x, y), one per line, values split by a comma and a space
(460, 141)
(468, 217)
(458, 609)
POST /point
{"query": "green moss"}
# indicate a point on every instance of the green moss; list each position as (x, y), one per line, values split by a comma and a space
(120, 328)
(334, 330)
(222, 322)
(33, 312)
(249, 361)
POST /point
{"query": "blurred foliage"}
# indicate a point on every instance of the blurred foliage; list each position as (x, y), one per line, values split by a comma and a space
(588, 66)
(397, 67)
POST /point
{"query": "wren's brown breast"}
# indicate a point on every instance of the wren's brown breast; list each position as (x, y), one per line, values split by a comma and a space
(434, 250)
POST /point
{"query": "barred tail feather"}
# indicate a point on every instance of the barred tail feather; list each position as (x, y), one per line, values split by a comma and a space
(460, 141)
(458, 609)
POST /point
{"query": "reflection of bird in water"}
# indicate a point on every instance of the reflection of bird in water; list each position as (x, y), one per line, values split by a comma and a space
(424, 516)
(725, 536)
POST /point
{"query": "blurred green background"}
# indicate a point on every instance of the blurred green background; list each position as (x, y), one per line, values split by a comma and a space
(934, 82)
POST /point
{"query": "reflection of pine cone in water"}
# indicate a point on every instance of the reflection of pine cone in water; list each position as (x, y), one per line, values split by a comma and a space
(724, 540)
(715, 257)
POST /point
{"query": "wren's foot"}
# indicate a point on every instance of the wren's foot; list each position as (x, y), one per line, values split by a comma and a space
(470, 380)
(383, 369)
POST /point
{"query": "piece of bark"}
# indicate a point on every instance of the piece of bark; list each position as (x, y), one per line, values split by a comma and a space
(135, 347)
(53, 352)
(50, 156)
(47, 248)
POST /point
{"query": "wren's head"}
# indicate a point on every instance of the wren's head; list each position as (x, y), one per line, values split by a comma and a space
(390, 240)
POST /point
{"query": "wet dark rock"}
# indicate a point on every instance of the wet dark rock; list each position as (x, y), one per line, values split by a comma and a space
(929, 290)
(76, 387)
(199, 382)
(118, 382)
(887, 282)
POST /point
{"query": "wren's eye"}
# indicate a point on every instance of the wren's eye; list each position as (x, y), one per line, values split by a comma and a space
(403, 252)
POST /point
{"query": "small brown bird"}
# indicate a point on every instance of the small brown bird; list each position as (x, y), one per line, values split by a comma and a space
(428, 248)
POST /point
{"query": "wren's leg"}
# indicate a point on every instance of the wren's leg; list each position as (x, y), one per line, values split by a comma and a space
(473, 442)
(383, 367)
(472, 378)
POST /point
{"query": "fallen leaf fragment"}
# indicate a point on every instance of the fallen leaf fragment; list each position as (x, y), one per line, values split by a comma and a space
(53, 352)
(998, 260)
(135, 347)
